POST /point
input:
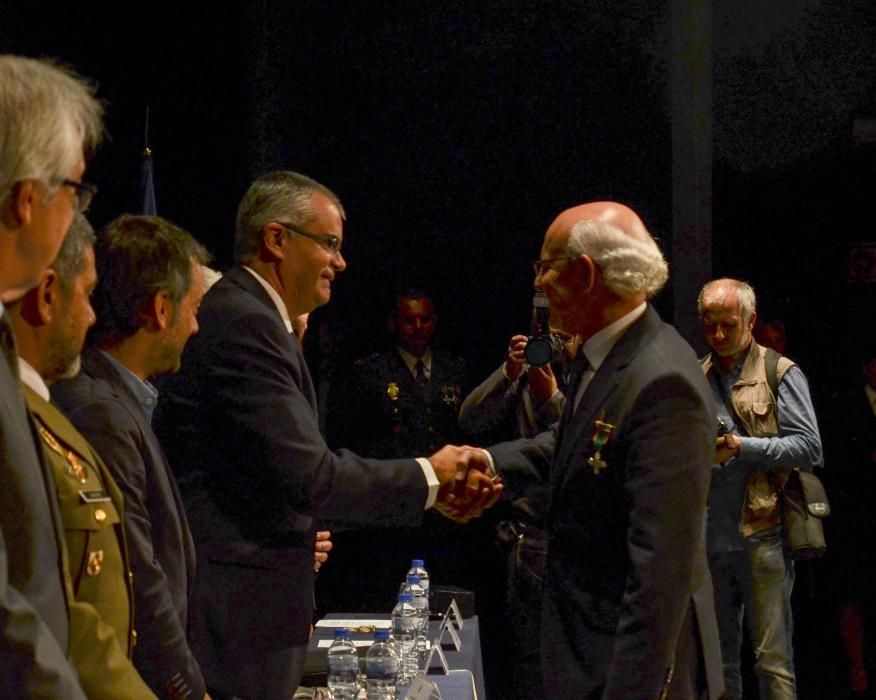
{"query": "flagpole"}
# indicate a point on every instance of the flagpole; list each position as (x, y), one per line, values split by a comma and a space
(147, 182)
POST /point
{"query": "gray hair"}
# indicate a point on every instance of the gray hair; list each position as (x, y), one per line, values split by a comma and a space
(278, 196)
(746, 301)
(70, 260)
(629, 266)
(49, 119)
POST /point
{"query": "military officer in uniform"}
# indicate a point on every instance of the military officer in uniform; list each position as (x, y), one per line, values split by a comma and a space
(399, 402)
(50, 323)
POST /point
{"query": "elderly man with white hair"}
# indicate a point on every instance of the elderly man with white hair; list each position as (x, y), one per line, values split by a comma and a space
(628, 609)
(49, 120)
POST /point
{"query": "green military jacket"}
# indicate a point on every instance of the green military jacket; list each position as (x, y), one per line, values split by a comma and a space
(99, 580)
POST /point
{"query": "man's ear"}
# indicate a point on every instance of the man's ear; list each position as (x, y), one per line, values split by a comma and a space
(589, 271)
(158, 313)
(752, 321)
(274, 238)
(19, 208)
(40, 305)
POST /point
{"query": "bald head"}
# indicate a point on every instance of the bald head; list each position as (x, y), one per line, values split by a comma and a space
(598, 263)
(613, 236)
(618, 215)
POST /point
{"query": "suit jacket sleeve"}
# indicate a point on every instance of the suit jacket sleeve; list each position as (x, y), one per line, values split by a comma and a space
(30, 659)
(525, 462)
(262, 398)
(490, 405)
(670, 440)
(162, 653)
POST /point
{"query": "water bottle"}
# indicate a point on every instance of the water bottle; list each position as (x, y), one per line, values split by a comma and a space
(381, 668)
(421, 603)
(417, 569)
(343, 667)
(404, 635)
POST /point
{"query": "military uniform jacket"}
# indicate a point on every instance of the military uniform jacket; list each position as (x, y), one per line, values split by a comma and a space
(34, 634)
(100, 587)
(381, 412)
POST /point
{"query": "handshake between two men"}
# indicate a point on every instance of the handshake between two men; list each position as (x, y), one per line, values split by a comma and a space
(467, 487)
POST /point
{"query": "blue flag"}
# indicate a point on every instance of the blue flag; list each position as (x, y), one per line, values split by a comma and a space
(147, 185)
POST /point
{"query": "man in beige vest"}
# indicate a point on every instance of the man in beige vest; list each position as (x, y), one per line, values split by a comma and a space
(761, 437)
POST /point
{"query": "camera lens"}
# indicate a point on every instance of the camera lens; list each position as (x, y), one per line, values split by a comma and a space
(539, 350)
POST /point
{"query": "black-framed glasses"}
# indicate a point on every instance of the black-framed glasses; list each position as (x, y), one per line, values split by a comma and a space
(542, 266)
(329, 241)
(84, 192)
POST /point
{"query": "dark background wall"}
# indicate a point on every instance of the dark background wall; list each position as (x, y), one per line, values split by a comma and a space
(454, 132)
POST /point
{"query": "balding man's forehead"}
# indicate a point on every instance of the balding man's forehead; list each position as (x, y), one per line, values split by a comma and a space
(720, 295)
(614, 213)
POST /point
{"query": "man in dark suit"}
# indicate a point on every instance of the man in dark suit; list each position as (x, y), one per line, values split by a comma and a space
(150, 285)
(253, 467)
(50, 323)
(628, 609)
(49, 119)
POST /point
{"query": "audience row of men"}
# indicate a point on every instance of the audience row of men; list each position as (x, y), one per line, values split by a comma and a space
(252, 601)
(163, 544)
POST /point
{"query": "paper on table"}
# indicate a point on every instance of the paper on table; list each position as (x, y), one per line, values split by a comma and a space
(337, 622)
(326, 643)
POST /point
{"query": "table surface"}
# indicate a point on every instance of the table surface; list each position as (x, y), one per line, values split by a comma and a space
(456, 686)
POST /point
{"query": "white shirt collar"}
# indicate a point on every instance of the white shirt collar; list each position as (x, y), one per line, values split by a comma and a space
(275, 297)
(598, 345)
(411, 361)
(32, 378)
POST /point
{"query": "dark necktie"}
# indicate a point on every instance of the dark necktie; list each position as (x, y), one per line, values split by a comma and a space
(582, 373)
(420, 376)
(7, 344)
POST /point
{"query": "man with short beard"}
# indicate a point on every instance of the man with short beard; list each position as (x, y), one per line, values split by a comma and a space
(150, 285)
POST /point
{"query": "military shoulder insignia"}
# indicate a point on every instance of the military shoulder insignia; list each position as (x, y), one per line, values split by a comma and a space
(72, 466)
(50, 440)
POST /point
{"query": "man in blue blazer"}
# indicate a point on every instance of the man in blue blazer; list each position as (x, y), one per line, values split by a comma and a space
(150, 283)
(49, 119)
(241, 425)
(628, 609)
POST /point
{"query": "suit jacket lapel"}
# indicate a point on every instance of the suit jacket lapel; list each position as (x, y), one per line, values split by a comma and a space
(101, 368)
(579, 425)
(244, 279)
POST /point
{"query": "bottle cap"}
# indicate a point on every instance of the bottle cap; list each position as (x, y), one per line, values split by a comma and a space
(342, 632)
(405, 598)
(381, 634)
(412, 578)
(417, 562)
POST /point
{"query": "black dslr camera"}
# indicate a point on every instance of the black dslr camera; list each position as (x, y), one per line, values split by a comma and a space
(542, 346)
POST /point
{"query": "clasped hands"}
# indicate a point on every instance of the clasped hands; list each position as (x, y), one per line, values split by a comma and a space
(466, 488)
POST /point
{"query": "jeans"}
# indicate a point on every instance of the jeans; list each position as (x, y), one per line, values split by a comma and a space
(755, 585)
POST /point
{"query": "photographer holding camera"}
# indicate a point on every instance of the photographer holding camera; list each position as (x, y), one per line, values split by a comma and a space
(522, 398)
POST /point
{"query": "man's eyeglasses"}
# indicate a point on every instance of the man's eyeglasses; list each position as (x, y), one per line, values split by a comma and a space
(84, 192)
(329, 241)
(542, 266)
